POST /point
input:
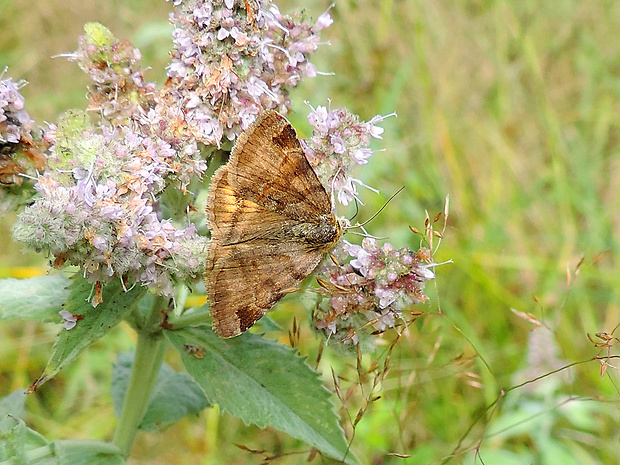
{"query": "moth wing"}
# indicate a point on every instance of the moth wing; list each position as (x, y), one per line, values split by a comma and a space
(248, 279)
(267, 188)
(231, 218)
(268, 166)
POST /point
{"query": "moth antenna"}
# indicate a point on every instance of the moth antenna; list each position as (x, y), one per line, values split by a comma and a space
(365, 234)
(360, 225)
(357, 210)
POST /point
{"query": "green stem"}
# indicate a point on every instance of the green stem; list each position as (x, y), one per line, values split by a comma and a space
(49, 453)
(190, 318)
(150, 350)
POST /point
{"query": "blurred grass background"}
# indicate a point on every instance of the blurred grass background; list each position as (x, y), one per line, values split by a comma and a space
(510, 108)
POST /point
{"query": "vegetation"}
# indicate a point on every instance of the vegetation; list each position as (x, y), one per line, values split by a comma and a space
(507, 108)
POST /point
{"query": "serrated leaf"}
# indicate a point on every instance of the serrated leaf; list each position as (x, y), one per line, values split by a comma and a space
(264, 383)
(38, 299)
(94, 322)
(174, 396)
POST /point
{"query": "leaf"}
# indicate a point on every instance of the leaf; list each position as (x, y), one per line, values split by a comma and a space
(93, 323)
(11, 406)
(38, 299)
(21, 445)
(175, 395)
(264, 383)
(17, 440)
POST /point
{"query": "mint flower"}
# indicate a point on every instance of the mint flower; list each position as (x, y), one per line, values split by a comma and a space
(234, 59)
(119, 91)
(22, 149)
(97, 207)
(338, 143)
(15, 123)
(372, 290)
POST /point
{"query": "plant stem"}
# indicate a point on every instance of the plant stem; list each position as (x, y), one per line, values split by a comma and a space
(193, 317)
(150, 350)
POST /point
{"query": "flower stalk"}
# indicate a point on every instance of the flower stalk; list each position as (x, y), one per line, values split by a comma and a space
(150, 350)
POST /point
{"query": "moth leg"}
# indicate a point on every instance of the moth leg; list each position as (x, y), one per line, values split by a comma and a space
(331, 255)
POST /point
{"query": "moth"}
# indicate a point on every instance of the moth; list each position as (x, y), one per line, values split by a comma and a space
(271, 221)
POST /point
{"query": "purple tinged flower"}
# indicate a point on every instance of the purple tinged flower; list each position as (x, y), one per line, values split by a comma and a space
(69, 319)
(362, 155)
(15, 123)
(318, 119)
(372, 289)
(222, 33)
(202, 13)
(267, 46)
(323, 21)
(338, 143)
(100, 215)
(385, 320)
(386, 297)
(346, 189)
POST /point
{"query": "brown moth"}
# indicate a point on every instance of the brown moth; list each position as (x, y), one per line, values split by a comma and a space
(271, 221)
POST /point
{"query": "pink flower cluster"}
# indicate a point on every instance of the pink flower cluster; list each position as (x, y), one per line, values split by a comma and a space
(339, 142)
(119, 92)
(97, 208)
(15, 123)
(372, 290)
(21, 147)
(233, 59)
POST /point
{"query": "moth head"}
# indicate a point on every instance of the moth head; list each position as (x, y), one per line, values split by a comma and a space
(343, 224)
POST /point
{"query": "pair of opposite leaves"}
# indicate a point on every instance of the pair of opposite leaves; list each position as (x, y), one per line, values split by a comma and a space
(271, 221)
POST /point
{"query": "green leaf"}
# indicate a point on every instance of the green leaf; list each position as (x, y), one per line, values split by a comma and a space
(38, 299)
(24, 446)
(95, 324)
(174, 396)
(20, 443)
(264, 383)
(11, 406)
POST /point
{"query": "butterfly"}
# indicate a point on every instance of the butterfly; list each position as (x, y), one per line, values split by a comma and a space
(271, 222)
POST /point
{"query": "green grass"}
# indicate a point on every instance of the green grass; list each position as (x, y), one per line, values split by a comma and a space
(510, 108)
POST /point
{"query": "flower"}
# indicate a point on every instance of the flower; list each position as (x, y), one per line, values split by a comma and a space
(97, 206)
(21, 147)
(119, 91)
(69, 319)
(231, 60)
(372, 290)
(339, 142)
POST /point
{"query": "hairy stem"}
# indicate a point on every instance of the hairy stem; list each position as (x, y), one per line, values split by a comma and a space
(150, 350)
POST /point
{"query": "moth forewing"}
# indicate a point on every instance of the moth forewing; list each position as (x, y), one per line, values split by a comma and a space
(271, 221)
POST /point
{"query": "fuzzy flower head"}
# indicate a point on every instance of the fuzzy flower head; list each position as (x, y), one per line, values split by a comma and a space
(120, 97)
(233, 59)
(15, 123)
(22, 149)
(96, 208)
(118, 91)
(372, 290)
(339, 142)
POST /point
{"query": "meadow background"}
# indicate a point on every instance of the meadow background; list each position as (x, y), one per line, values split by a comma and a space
(511, 109)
